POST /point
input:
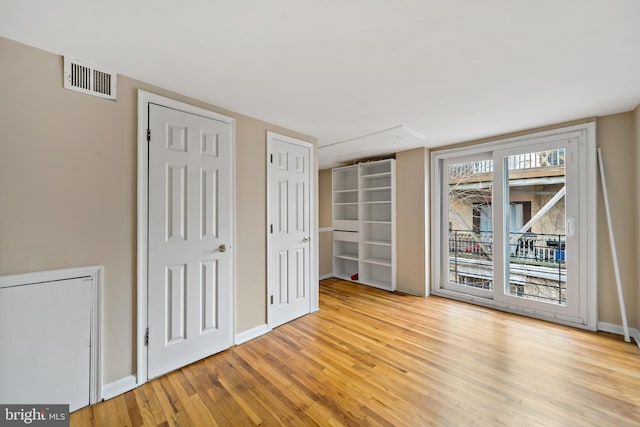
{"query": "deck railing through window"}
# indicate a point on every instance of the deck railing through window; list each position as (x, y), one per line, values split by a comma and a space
(542, 159)
(537, 263)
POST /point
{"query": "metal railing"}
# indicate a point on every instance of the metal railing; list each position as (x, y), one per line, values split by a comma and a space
(543, 248)
(542, 159)
(537, 263)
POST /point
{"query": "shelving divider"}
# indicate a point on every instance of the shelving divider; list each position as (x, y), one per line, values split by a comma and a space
(364, 240)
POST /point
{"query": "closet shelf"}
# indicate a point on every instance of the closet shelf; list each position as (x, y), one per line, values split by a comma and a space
(364, 237)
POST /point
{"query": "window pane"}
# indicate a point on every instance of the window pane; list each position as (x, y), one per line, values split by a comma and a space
(469, 219)
(536, 220)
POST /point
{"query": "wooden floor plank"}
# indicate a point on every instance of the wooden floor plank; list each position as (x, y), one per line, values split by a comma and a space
(376, 358)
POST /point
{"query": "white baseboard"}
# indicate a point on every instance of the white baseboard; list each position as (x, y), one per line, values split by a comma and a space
(118, 387)
(619, 330)
(252, 333)
(326, 276)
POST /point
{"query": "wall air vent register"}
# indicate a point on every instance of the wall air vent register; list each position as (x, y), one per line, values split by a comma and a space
(87, 78)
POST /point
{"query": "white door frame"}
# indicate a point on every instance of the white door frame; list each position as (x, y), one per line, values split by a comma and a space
(313, 247)
(144, 98)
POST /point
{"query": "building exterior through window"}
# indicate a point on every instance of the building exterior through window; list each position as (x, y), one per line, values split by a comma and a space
(535, 217)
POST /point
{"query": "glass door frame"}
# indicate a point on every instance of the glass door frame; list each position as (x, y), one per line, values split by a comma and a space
(575, 287)
(585, 313)
(447, 284)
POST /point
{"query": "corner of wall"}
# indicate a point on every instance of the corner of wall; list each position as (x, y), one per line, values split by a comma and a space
(412, 216)
(427, 220)
(636, 145)
(617, 138)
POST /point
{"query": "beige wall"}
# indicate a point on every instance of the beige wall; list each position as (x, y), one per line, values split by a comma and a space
(68, 190)
(412, 172)
(325, 256)
(325, 260)
(615, 137)
(324, 195)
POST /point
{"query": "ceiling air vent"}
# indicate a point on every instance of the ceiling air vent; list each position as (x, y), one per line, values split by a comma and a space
(90, 79)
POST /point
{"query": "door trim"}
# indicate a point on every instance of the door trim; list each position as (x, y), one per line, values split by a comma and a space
(144, 98)
(313, 231)
(588, 200)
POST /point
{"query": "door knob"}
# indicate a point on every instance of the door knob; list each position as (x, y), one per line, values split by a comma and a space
(222, 248)
(306, 239)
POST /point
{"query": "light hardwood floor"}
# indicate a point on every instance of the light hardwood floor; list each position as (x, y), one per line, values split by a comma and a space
(370, 357)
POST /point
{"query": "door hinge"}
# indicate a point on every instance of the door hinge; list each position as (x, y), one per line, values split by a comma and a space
(271, 155)
(271, 228)
(146, 337)
(148, 135)
(272, 299)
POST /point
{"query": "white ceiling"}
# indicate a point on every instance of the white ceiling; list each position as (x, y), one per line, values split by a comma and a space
(439, 71)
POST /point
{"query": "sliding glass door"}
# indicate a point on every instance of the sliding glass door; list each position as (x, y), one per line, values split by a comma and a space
(540, 263)
(468, 189)
(513, 225)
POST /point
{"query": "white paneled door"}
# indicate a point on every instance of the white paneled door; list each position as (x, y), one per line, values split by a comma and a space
(190, 235)
(289, 172)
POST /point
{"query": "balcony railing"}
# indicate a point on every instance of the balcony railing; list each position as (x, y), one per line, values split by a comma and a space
(542, 159)
(537, 263)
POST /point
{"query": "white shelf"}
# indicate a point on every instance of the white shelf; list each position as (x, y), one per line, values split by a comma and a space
(364, 223)
(377, 242)
(378, 261)
(343, 276)
(344, 268)
(374, 168)
(345, 236)
(344, 179)
(376, 175)
(379, 283)
(345, 224)
(345, 211)
(376, 188)
(353, 257)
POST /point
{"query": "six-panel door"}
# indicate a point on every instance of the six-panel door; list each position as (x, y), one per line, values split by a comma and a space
(190, 235)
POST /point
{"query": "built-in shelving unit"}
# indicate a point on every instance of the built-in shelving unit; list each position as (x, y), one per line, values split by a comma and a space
(364, 223)
(345, 222)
